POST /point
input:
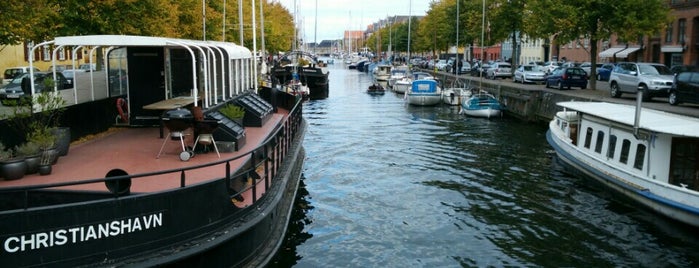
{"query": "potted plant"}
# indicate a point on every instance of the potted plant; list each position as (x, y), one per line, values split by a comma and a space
(233, 112)
(46, 142)
(30, 151)
(42, 112)
(11, 167)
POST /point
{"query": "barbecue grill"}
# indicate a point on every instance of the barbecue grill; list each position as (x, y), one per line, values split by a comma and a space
(177, 121)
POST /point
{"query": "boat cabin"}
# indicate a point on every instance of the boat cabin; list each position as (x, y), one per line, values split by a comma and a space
(663, 147)
(145, 71)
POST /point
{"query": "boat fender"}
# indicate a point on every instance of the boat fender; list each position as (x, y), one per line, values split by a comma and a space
(123, 109)
(118, 187)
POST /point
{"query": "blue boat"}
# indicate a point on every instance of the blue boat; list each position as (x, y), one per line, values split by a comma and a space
(481, 104)
(424, 92)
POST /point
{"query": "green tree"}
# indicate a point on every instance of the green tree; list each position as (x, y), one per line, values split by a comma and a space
(596, 20)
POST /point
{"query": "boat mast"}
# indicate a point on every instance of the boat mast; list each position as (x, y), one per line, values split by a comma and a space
(254, 46)
(456, 64)
(315, 30)
(240, 22)
(480, 85)
(410, 16)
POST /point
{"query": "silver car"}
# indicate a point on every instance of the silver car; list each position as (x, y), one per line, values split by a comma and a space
(499, 70)
(529, 74)
(651, 79)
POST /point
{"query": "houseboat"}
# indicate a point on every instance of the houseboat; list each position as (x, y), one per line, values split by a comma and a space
(647, 155)
(304, 66)
(163, 177)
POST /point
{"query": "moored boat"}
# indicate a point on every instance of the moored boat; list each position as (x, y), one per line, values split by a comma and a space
(310, 73)
(125, 198)
(480, 103)
(458, 90)
(403, 84)
(383, 72)
(397, 73)
(424, 92)
(648, 156)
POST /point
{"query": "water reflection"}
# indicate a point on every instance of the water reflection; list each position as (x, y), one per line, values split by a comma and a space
(395, 185)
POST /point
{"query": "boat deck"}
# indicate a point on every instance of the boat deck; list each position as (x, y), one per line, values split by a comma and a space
(134, 150)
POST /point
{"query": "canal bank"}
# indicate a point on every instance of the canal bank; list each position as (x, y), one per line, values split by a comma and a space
(536, 103)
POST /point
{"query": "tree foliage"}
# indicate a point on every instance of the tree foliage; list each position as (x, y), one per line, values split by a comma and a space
(40, 20)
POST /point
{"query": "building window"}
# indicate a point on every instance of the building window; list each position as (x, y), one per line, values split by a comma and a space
(681, 25)
(600, 141)
(46, 53)
(640, 156)
(62, 53)
(611, 148)
(668, 33)
(625, 146)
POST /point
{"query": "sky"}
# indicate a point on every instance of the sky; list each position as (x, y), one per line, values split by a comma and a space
(336, 16)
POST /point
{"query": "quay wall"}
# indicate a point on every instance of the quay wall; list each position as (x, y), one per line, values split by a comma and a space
(536, 103)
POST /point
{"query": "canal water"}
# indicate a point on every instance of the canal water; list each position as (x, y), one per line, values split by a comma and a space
(390, 185)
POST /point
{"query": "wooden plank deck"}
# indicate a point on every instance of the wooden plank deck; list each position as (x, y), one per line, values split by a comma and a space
(134, 150)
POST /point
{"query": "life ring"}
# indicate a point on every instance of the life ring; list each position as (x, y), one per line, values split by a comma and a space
(123, 109)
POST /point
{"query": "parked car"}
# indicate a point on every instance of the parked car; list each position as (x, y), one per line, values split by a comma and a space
(549, 66)
(499, 70)
(587, 66)
(604, 71)
(88, 67)
(652, 79)
(11, 73)
(685, 88)
(683, 68)
(441, 65)
(466, 67)
(481, 69)
(567, 77)
(60, 67)
(529, 74)
(571, 64)
(70, 76)
(19, 87)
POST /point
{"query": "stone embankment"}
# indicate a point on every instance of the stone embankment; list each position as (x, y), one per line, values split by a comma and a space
(536, 103)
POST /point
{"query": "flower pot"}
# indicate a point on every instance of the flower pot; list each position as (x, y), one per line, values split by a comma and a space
(13, 169)
(44, 170)
(62, 135)
(33, 162)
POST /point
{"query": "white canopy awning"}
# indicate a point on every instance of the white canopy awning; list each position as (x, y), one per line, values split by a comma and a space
(671, 49)
(610, 52)
(625, 53)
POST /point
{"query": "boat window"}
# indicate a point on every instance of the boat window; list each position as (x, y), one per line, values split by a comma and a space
(640, 156)
(611, 148)
(684, 163)
(600, 141)
(625, 146)
(588, 137)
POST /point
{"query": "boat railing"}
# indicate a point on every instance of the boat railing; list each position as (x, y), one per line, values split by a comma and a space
(270, 154)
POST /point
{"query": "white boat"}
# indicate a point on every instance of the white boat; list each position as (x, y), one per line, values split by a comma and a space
(397, 73)
(382, 72)
(424, 92)
(480, 103)
(403, 84)
(647, 155)
(458, 90)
